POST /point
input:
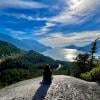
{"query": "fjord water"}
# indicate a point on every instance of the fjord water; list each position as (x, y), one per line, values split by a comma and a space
(62, 54)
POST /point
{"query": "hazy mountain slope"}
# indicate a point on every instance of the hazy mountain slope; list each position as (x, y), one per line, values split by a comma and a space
(25, 44)
(72, 47)
(86, 48)
(62, 88)
(7, 48)
(89, 46)
(16, 42)
(34, 45)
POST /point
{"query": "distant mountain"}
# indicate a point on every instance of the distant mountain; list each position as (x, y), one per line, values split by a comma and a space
(89, 46)
(86, 48)
(7, 38)
(72, 47)
(25, 44)
(34, 45)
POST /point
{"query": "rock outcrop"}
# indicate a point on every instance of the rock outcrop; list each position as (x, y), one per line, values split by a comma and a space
(61, 88)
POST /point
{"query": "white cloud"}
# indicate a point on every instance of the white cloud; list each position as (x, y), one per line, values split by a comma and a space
(20, 4)
(45, 29)
(19, 34)
(59, 39)
(74, 11)
(15, 32)
(26, 17)
(77, 11)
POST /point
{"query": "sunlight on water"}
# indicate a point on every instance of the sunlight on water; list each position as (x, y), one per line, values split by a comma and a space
(62, 54)
(69, 54)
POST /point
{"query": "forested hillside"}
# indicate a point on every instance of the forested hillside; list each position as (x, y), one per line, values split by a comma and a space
(17, 65)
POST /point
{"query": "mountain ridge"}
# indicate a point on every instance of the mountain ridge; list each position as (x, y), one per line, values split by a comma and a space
(24, 44)
(86, 48)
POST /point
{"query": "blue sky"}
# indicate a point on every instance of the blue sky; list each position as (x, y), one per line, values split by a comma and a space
(55, 23)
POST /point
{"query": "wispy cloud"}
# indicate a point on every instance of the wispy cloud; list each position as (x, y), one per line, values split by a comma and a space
(60, 40)
(14, 31)
(77, 11)
(26, 17)
(44, 29)
(74, 11)
(17, 33)
(20, 4)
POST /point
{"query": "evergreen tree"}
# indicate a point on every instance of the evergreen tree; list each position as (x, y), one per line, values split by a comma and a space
(93, 50)
(81, 64)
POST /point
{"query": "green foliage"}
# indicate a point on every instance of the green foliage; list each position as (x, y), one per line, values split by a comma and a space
(14, 63)
(82, 64)
(10, 76)
(92, 75)
(36, 58)
(82, 68)
(86, 76)
(62, 71)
